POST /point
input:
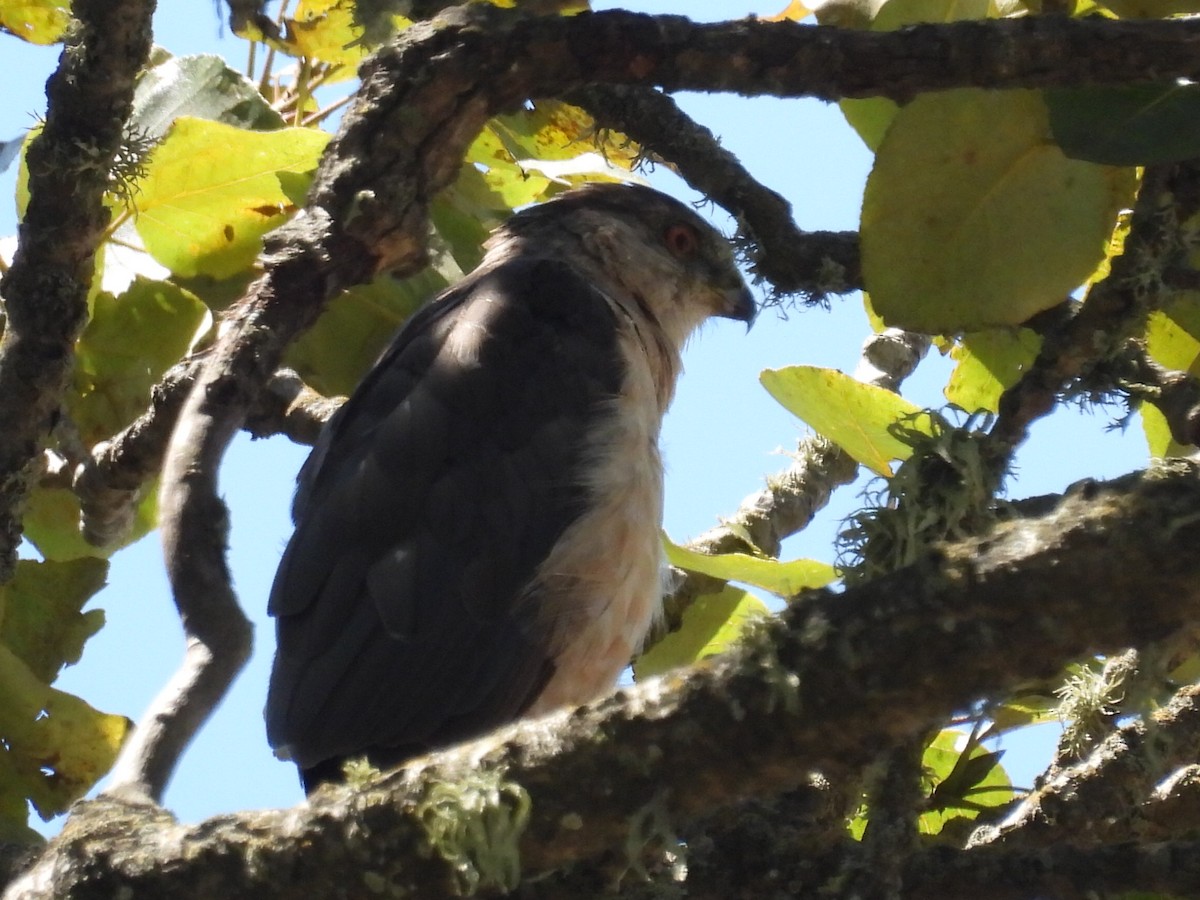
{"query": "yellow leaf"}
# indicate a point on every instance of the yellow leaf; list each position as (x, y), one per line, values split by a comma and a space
(787, 579)
(211, 191)
(36, 21)
(973, 217)
(794, 12)
(988, 363)
(710, 626)
(58, 744)
(859, 418)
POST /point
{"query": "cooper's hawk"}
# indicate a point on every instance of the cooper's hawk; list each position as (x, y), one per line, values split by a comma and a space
(477, 529)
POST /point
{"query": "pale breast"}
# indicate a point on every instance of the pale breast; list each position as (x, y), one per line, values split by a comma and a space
(602, 584)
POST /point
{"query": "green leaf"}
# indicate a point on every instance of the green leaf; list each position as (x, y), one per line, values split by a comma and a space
(202, 86)
(53, 746)
(787, 579)
(40, 612)
(898, 13)
(871, 116)
(1151, 9)
(36, 21)
(988, 363)
(858, 417)
(57, 745)
(962, 781)
(336, 352)
(212, 191)
(52, 517)
(1173, 341)
(710, 626)
(554, 130)
(1139, 125)
(1022, 710)
(973, 217)
(128, 344)
(329, 31)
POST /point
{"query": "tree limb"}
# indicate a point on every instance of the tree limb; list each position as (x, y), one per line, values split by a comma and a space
(1099, 797)
(829, 683)
(45, 289)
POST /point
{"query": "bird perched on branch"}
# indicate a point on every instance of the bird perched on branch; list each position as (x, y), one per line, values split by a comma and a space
(477, 528)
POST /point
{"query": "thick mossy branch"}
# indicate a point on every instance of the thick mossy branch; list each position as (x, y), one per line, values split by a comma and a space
(831, 682)
(1102, 797)
(45, 290)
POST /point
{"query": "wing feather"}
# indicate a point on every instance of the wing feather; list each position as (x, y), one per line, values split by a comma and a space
(426, 506)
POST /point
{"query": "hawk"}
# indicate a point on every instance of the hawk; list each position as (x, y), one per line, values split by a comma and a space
(477, 528)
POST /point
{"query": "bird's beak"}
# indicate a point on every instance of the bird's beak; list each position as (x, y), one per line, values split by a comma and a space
(738, 303)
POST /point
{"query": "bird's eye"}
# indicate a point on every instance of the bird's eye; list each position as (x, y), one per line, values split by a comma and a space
(682, 240)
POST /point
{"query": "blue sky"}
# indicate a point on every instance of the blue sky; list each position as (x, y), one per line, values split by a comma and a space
(722, 437)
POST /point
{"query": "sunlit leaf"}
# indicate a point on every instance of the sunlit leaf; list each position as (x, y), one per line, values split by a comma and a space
(794, 12)
(52, 516)
(898, 13)
(1135, 125)
(710, 626)
(42, 620)
(336, 352)
(212, 191)
(1173, 341)
(325, 30)
(127, 346)
(857, 417)
(554, 130)
(988, 363)
(1023, 710)
(972, 217)
(787, 579)
(963, 779)
(57, 744)
(35, 21)
(871, 116)
(1151, 9)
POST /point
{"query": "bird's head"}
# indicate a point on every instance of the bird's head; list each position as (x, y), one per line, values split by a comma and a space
(652, 254)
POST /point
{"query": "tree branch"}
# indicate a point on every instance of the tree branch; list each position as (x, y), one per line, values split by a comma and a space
(792, 261)
(422, 100)
(1098, 798)
(45, 290)
(832, 681)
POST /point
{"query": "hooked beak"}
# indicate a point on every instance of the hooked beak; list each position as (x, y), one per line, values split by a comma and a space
(738, 303)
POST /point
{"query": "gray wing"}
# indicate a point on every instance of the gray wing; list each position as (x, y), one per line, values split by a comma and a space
(426, 506)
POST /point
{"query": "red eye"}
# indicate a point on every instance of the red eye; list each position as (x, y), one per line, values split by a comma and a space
(682, 240)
